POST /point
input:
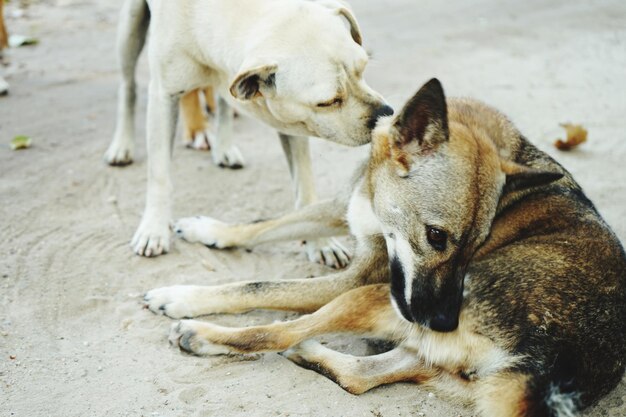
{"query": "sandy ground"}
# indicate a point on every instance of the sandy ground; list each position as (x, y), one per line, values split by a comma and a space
(74, 340)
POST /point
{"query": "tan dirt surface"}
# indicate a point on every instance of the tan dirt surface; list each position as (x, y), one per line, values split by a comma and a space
(70, 287)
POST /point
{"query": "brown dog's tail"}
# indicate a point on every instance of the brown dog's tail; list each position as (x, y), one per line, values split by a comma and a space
(549, 399)
(554, 393)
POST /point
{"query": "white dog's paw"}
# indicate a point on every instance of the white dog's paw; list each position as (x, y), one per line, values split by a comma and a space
(227, 158)
(191, 336)
(152, 238)
(4, 86)
(177, 301)
(120, 153)
(200, 141)
(328, 252)
(206, 230)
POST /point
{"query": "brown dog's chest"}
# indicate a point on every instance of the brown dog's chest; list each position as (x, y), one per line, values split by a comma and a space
(461, 352)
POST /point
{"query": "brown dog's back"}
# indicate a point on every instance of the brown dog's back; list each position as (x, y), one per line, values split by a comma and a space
(550, 281)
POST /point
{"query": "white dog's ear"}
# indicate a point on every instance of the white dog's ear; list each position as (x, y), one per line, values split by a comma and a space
(342, 9)
(355, 30)
(254, 82)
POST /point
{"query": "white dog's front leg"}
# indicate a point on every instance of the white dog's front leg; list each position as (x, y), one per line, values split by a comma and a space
(223, 152)
(327, 251)
(153, 235)
(4, 86)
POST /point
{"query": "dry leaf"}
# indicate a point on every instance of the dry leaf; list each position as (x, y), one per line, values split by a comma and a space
(575, 135)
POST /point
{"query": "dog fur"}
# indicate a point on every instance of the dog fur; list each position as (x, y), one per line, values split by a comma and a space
(294, 64)
(197, 107)
(519, 311)
(4, 43)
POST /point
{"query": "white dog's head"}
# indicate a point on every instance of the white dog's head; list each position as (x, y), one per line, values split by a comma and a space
(307, 79)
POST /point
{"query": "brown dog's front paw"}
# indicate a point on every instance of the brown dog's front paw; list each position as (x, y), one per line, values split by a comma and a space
(188, 336)
(176, 301)
(328, 252)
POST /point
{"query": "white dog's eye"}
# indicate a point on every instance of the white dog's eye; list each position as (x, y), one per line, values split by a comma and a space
(334, 102)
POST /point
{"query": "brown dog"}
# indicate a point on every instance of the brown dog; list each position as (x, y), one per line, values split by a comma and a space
(477, 254)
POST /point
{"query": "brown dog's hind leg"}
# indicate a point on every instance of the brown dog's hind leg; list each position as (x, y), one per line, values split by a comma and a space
(196, 127)
(504, 394)
(365, 310)
(359, 374)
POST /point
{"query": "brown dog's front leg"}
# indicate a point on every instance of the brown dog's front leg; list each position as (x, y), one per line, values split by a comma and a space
(365, 310)
(302, 295)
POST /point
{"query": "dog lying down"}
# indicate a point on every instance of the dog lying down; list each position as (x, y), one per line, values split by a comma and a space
(477, 255)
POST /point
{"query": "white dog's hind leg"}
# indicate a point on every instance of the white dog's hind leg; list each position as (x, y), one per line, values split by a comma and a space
(152, 238)
(326, 251)
(223, 152)
(131, 37)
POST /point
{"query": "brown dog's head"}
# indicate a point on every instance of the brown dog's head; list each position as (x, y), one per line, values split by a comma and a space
(435, 183)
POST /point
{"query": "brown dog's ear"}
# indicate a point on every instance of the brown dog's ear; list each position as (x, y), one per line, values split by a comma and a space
(519, 177)
(255, 82)
(424, 118)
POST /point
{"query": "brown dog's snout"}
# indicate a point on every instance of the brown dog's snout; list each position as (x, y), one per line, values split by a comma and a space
(444, 322)
(383, 110)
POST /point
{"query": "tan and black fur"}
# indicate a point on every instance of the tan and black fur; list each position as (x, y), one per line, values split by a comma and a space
(477, 254)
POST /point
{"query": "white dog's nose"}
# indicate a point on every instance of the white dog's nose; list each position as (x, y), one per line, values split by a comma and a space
(384, 110)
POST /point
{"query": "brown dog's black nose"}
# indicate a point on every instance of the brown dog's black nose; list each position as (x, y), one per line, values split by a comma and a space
(381, 111)
(444, 322)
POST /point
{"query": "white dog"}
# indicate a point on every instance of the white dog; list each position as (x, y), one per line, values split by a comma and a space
(294, 64)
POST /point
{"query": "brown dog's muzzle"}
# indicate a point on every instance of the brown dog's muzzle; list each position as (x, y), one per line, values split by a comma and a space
(435, 301)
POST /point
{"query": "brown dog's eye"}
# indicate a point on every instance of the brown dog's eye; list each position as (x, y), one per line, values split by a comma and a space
(437, 238)
(334, 102)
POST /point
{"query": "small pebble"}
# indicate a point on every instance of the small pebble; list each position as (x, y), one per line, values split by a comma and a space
(208, 266)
